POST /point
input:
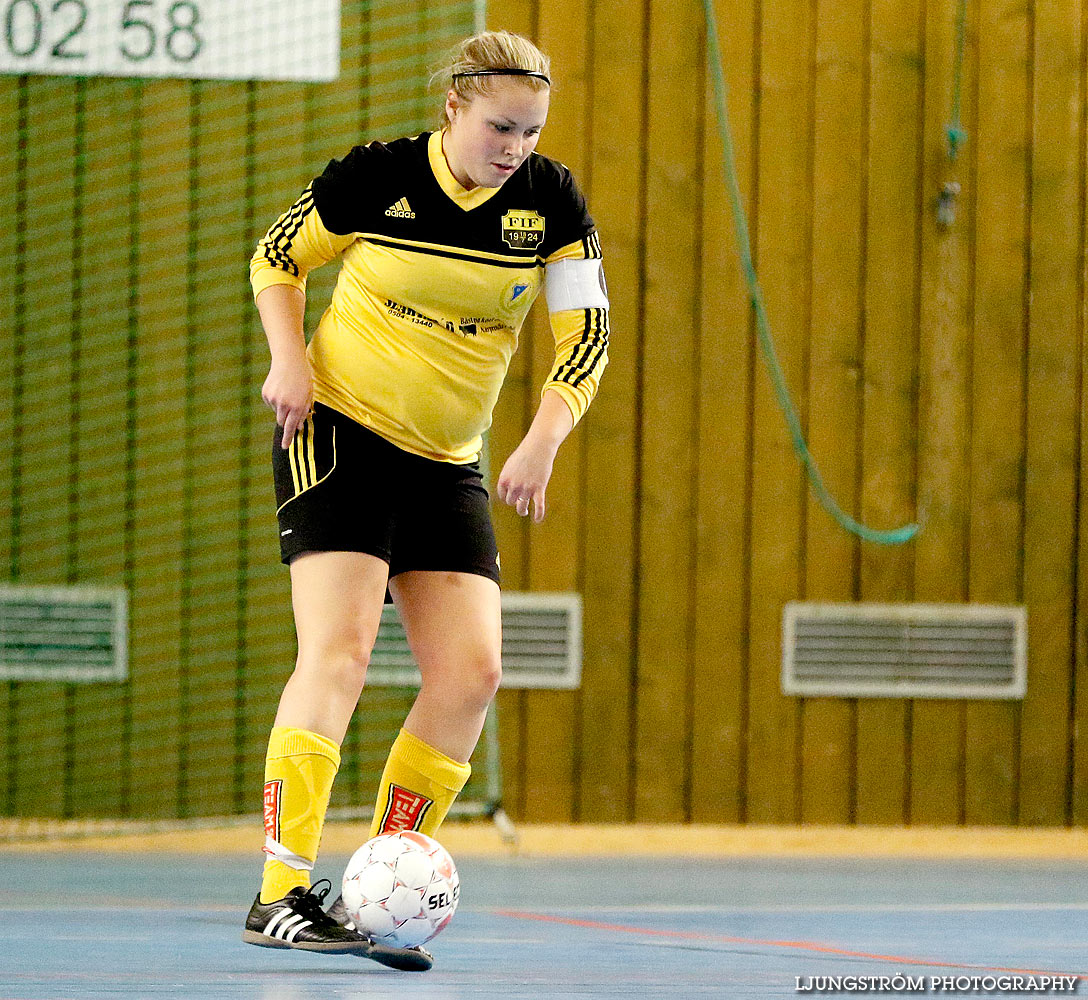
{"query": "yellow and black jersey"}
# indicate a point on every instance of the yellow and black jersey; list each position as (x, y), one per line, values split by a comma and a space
(435, 285)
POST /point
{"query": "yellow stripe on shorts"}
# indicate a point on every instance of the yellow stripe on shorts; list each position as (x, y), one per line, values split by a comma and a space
(303, 457)
(292, 460)
(304, 463)
(311, 452)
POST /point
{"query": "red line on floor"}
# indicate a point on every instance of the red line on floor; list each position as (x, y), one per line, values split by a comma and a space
(813, 946)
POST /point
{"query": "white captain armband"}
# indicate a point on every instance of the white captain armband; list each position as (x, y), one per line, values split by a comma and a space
(575, 284)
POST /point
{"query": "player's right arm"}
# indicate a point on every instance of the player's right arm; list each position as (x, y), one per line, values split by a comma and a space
(289, 387)
(296, 244)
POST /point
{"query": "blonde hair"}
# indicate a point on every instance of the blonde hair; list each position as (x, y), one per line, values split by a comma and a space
(490, 51)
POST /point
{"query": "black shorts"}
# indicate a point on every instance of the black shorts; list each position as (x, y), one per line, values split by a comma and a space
(343, 488)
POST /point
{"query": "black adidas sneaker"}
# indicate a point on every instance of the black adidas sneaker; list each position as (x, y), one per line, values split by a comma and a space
(406, 959)
(298, 921)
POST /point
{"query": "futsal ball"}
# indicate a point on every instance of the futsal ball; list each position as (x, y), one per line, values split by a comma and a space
(401, 888)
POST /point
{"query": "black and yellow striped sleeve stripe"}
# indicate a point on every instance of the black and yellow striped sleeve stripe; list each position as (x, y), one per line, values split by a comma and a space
(276, 245)
(590, 350)
(581, 342)
(297, 243)
(591, 246)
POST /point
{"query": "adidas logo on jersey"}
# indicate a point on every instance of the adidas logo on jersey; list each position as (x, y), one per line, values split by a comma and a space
(401, 210)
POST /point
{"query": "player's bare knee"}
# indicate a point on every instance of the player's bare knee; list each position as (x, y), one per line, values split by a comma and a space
(350, 668)
(342, 668)
(468, 683)
(490, 678)
(481, 678)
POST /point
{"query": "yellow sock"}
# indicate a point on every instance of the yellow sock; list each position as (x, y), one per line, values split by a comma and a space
(298, 775)
(418, 787)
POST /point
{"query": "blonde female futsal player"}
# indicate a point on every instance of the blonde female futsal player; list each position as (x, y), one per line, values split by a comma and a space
(446, 239)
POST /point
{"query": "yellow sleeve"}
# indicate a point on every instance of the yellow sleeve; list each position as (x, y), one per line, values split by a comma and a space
(296, 244)
(581, 341)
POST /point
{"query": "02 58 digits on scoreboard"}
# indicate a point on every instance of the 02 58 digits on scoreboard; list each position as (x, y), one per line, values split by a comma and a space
(198, 39)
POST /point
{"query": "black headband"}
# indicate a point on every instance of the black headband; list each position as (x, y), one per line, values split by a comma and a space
(504, 72)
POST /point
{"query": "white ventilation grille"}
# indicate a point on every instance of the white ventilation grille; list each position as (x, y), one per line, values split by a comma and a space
(904, 650)
(66, 634)
(541, 644)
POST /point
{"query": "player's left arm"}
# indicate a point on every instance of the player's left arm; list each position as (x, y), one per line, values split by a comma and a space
(578, 308)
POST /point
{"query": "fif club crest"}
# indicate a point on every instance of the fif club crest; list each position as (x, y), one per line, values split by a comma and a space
(523, 229)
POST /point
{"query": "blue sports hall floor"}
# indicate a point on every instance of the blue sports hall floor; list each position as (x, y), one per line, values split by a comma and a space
(83, 921)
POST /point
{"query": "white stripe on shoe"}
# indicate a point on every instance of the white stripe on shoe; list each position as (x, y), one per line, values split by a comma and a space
(277, 917)
(290, 937)
(286, 925)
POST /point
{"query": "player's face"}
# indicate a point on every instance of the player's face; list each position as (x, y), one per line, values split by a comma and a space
(492, 135)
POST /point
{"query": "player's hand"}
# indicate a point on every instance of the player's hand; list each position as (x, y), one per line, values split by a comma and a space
(289, 390)
(524, 478)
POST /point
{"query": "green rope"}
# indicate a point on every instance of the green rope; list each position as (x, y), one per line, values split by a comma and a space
(895, 537)
(957, 135)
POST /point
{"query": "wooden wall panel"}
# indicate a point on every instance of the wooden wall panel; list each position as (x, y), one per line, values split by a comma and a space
(1051, 499)
(159, 503)
(616, 189)
(782, 228)
(999, 339)
(12, 156)
(888, 417)
(727, 365)
(94, 779)
(45, 433)
(1079, 790)
(11, 159)
(834, 390)
(935, 729)
(667, 389)
(926, 413)
(214, 418)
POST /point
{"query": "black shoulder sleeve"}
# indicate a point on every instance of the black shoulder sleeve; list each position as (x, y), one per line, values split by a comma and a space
(568, 218)
(342, 191)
